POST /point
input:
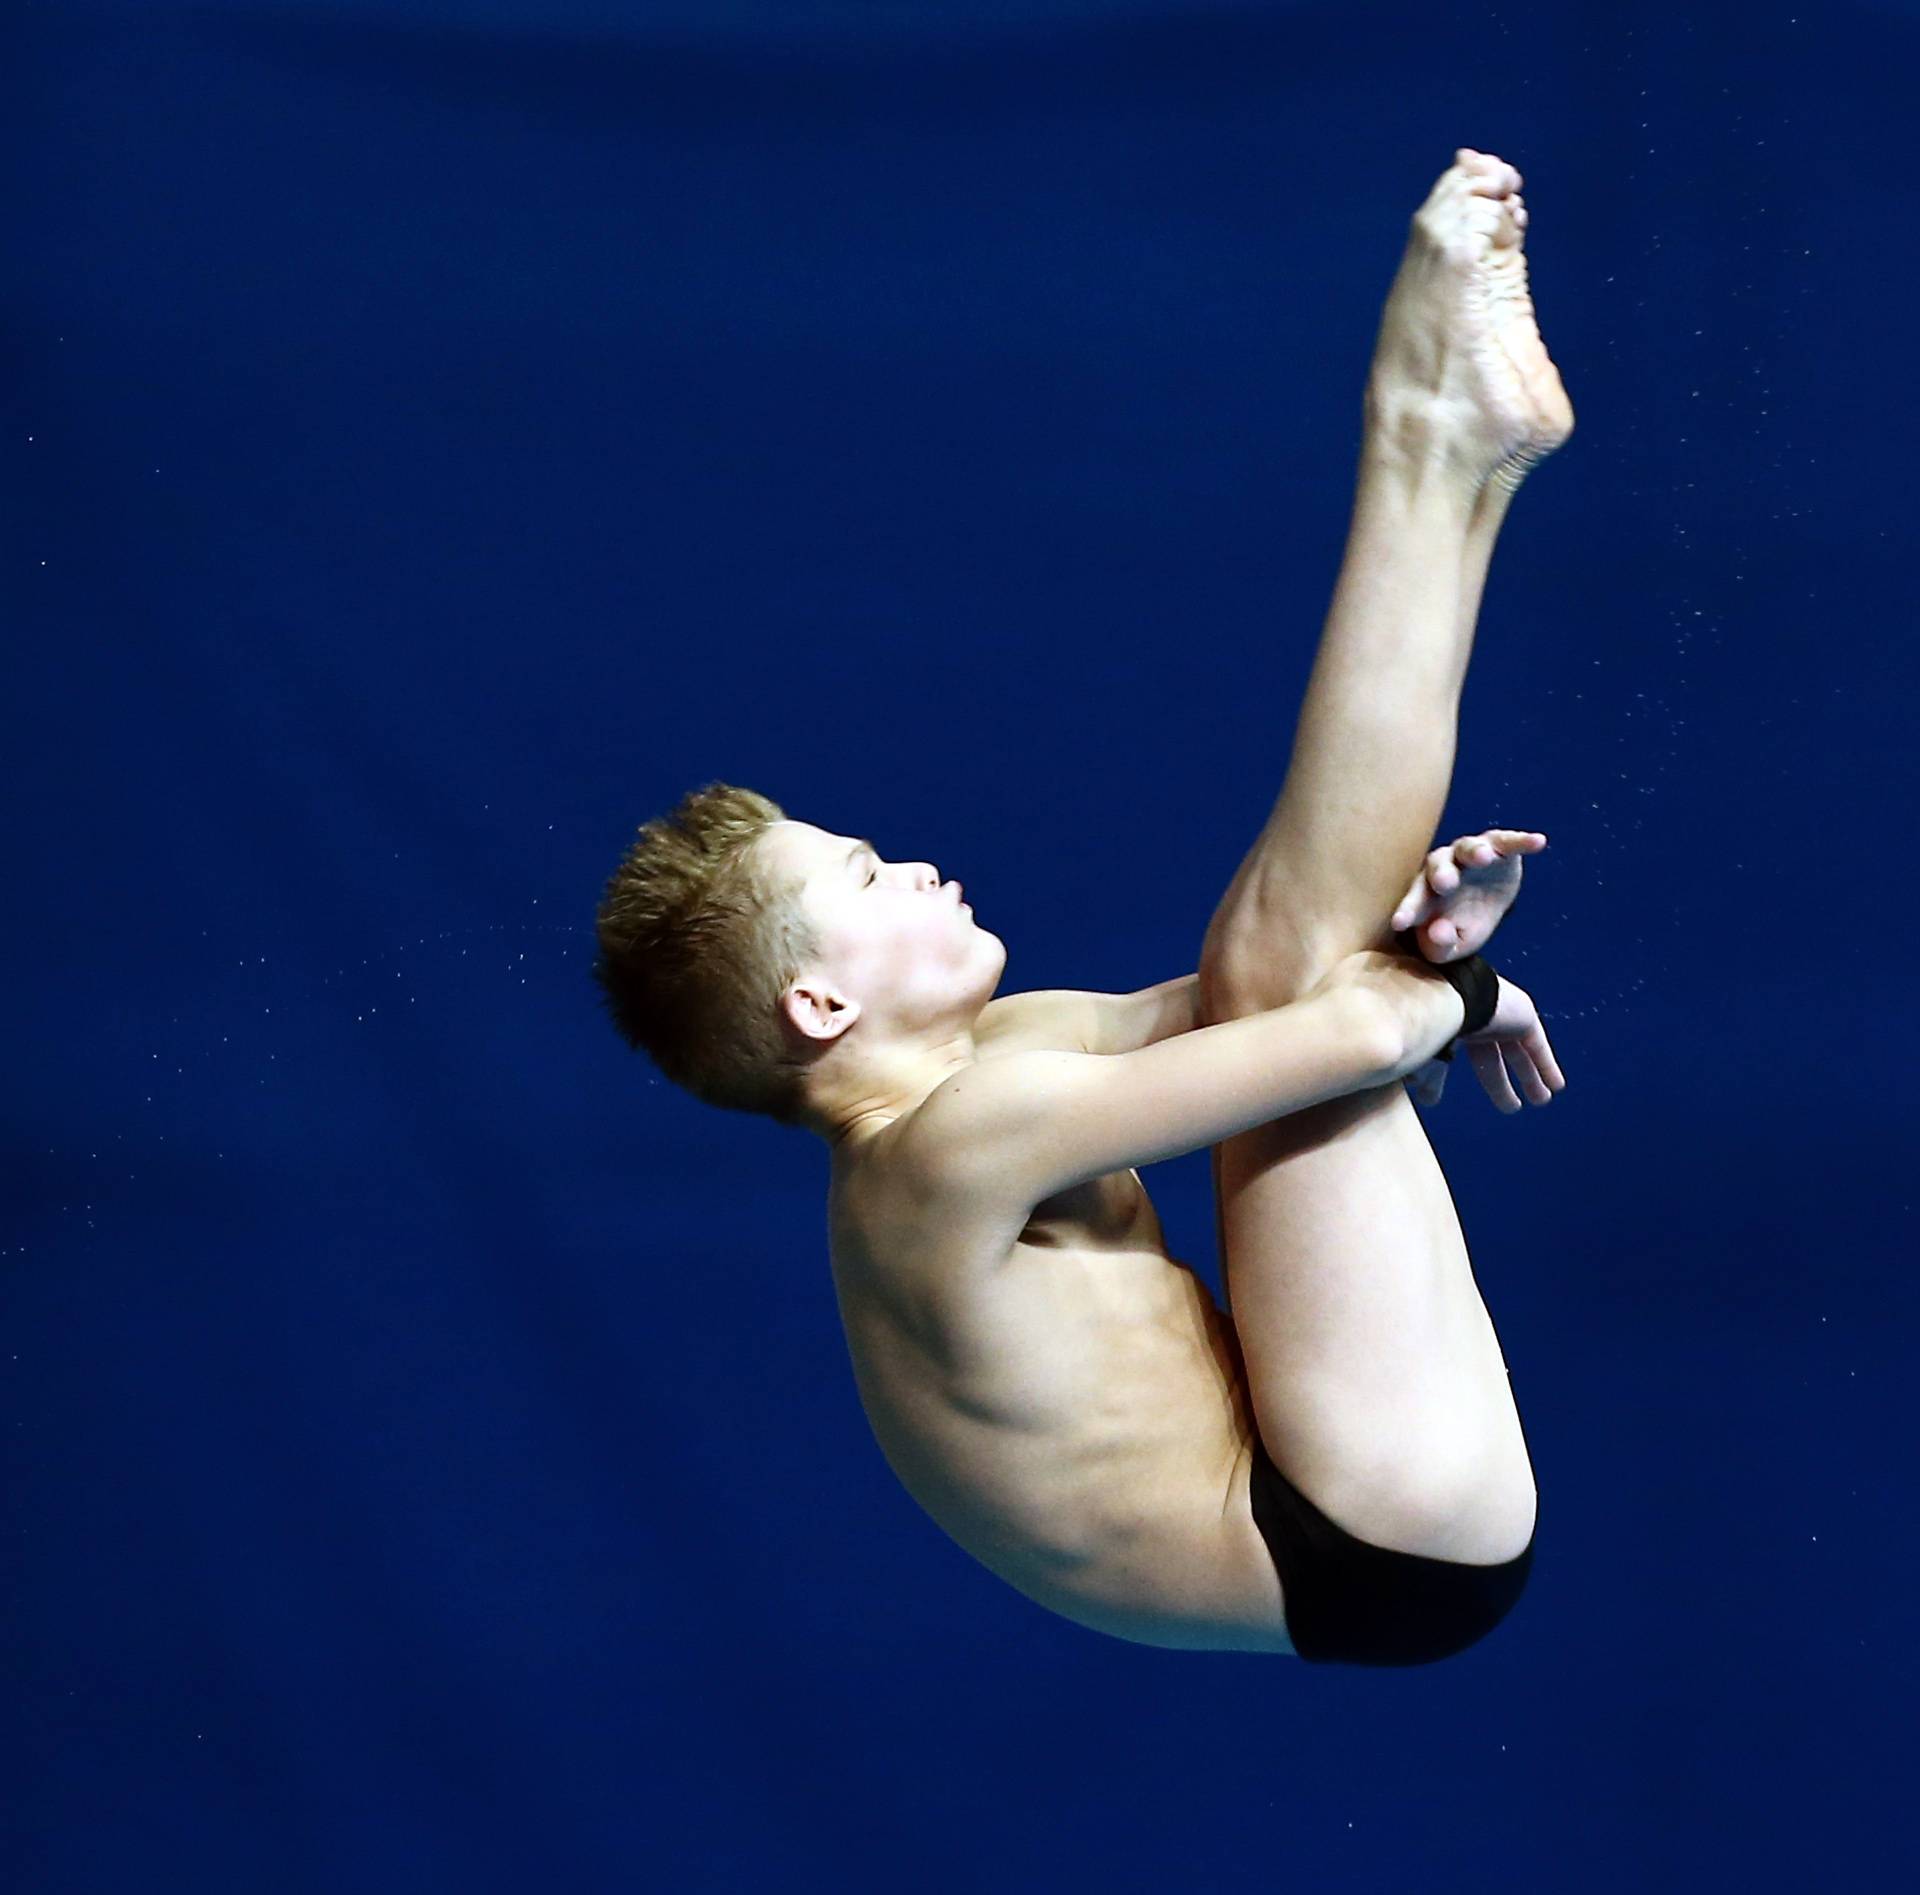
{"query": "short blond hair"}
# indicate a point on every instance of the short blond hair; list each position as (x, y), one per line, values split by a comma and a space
(698, 940)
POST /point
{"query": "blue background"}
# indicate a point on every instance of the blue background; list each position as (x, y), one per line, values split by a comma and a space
(436, 436)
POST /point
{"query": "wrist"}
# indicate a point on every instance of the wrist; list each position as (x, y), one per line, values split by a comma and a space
(1473, 980)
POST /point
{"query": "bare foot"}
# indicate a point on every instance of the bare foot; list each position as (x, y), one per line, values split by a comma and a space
(1459, 369)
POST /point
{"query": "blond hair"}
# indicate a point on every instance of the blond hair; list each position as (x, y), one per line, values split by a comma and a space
(698, 941)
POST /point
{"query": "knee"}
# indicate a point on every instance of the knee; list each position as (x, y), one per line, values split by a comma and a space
(1215, 1001)
(1229, 986)
(1246, 969)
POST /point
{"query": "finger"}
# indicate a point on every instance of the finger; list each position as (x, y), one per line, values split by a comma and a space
(1428, 1082)
(1492, 1073)
(1520, 1064)
(1491, 844)
(1541, 1053)
(1442, 876)
(1413, 904)
(1435, 938)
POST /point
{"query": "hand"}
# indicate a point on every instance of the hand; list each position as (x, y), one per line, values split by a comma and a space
(1463, 890)
(1414, 1005)
(1512, 1045)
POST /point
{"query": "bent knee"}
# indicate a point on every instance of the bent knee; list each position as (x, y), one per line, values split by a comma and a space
(1243, 970)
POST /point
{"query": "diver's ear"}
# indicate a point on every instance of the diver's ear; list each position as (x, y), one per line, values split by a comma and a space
(819, 1009)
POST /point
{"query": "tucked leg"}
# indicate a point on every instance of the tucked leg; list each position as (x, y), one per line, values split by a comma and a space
(1373, 1367)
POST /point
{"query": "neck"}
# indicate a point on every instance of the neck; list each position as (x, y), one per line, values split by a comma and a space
(847, 1108)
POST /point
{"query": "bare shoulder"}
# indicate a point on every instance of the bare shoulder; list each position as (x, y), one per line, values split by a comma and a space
(953, 1147)
(921, 1190)
(1023, 1126)
(1059, 1018)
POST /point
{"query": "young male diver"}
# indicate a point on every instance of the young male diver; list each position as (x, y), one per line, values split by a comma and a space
(1332, 1466)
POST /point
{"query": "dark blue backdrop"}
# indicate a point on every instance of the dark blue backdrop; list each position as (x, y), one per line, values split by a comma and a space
(437, 435)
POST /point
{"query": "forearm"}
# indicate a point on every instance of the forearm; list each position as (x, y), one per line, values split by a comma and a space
(1169, 1008)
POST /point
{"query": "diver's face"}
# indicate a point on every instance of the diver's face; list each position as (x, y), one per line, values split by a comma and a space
(893, 935)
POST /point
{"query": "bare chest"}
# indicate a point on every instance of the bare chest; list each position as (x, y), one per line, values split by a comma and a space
(1103, 1214)
(1045, 1395)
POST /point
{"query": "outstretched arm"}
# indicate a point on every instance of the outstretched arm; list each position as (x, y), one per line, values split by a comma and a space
(1065, 1020)
(1456, 901)
(1144, 1018)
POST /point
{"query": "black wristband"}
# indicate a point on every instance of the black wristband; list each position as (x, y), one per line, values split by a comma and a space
(1472, 979)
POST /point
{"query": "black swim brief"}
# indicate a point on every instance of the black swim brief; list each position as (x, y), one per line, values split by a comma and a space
(1350, 1603)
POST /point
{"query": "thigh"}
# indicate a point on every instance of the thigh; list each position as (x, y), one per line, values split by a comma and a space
(1374, 1371)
